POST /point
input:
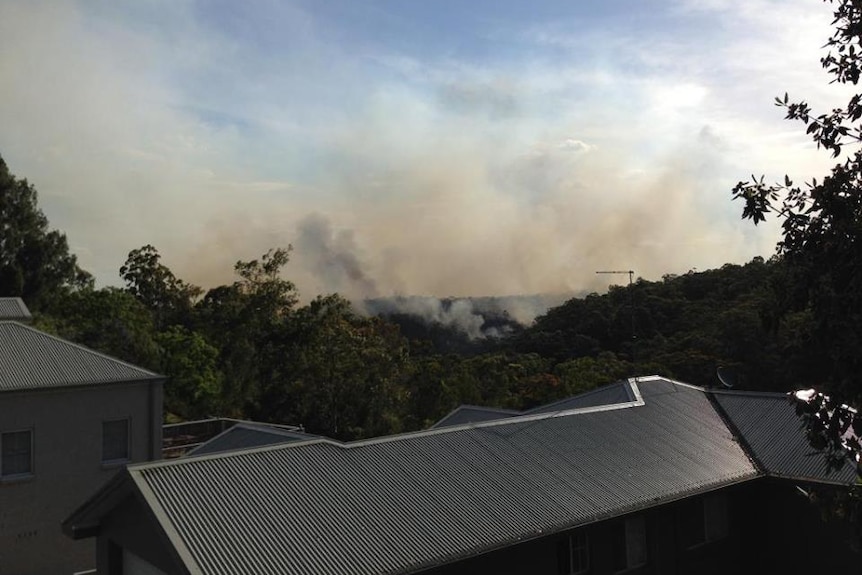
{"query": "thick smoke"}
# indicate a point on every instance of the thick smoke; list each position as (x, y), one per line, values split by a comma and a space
(451, 220)
(331, 256)
(475, 317)
(395, 174)
(460, 314)
(334, 260)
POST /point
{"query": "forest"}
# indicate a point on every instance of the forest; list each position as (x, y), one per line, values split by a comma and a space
(249, 349)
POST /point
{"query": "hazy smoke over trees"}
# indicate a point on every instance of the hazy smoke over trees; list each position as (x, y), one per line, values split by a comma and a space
(393, 174)
(458, 223)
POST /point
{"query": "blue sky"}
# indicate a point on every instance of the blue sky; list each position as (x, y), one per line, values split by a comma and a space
(432, 148)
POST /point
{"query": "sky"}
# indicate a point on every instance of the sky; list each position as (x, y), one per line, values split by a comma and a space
(439, 148)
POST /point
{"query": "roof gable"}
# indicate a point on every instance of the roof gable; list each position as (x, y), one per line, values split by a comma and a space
(31, 359)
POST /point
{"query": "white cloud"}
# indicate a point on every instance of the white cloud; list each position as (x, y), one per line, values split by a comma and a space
(577, 146)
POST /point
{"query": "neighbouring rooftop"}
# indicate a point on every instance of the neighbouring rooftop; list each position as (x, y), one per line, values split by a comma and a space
(31, 359)
(413, 501)
(13, 308)
(217, 434)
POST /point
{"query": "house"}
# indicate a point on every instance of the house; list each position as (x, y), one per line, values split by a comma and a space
(647, 475)
(248, 435)
(473, 414)
(223, 434)
(70, 419)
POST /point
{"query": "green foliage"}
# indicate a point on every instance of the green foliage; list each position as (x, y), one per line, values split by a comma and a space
(820, 297)
(822, 223)
(109, 320)
(194, 388)
(246, 322)
(685, 327)
(168, 298)
(339, 374)
(262, 285)
(35, 262)
(586, 373)
(247, 349)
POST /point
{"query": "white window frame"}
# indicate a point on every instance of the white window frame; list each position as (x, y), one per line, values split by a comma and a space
(128, 452)
(32, 467)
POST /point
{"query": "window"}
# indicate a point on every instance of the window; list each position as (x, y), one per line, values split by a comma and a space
(573, 554)
(16, 453)
(704, 520)
(115, 441)
(630, 544)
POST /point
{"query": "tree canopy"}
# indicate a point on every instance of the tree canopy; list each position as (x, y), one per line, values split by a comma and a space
(822, 222)
(821, 247)
(35, 261)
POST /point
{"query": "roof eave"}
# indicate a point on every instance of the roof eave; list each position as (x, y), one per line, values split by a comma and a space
(593, 520)
(84, 521)
(173, 541)
(155, 379)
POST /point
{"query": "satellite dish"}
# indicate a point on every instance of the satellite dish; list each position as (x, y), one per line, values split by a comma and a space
(726, 376)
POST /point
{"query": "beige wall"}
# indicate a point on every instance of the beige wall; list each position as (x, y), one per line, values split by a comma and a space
(67, 438)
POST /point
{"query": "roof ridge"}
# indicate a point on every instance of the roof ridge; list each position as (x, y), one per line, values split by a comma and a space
(408, 435)
(734, 430)
(485, 408)
(749, 392)
(587, 393)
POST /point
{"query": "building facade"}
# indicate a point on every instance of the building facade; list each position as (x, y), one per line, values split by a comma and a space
(70, 419)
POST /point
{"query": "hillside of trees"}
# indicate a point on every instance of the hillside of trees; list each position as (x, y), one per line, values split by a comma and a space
(248, 349)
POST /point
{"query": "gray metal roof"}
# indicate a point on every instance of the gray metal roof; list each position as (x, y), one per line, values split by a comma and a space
(13, 308)
(773, 433)
(404, 503)
(619, 392)
(473, 414)
(249, 435)
(31, 359)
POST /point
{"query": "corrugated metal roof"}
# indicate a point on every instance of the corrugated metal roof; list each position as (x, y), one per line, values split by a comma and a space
(248, 436)
(619, 392)
(403, 503)
(31, 359)
(13, 308)
(774, 433)
(473, 414)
